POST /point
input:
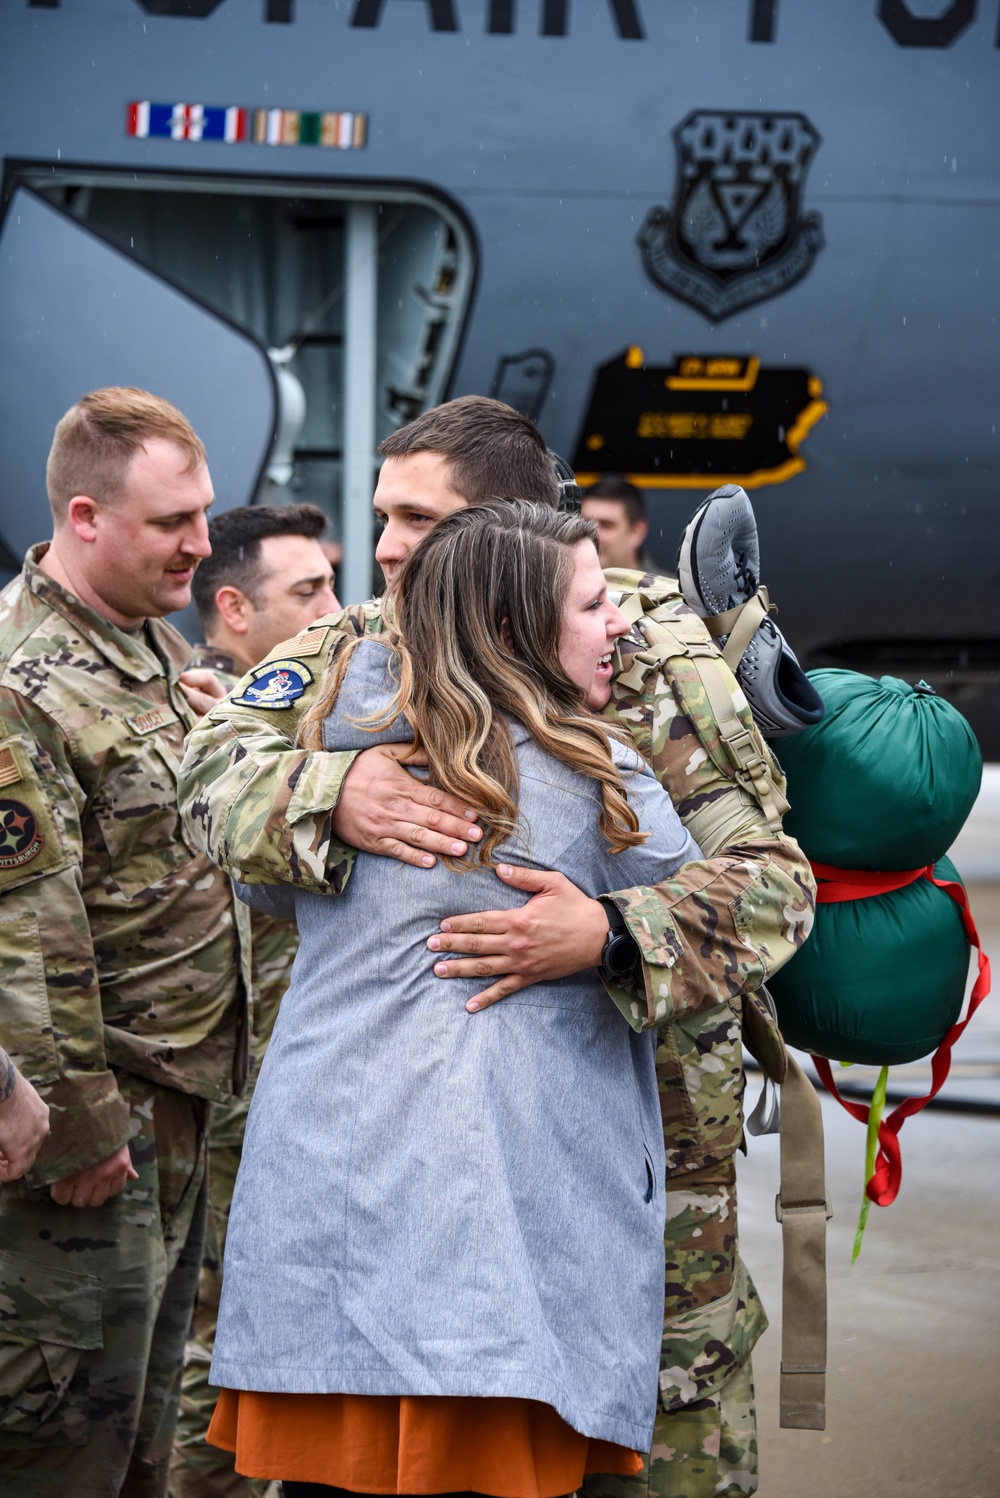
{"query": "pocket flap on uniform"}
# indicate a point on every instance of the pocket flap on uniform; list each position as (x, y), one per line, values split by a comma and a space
(703, 1347)
(42, 1304)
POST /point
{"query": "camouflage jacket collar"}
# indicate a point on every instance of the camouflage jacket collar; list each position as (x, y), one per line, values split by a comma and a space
(369, 618)
(208, 658)
(131, 653)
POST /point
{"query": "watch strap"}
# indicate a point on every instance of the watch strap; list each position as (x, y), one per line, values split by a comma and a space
(620, 955)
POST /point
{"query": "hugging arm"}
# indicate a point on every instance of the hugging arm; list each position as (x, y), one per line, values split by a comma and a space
(269, 812)
(709, 932)
(561, 929)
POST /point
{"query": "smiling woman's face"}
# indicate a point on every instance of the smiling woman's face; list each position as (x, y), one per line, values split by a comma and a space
(591, 624)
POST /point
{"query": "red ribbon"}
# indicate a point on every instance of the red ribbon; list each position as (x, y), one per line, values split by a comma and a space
(860, 884)
(836, 884)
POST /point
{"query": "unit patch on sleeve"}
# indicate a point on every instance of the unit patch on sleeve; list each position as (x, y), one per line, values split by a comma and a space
(275, 684)
(20, 837)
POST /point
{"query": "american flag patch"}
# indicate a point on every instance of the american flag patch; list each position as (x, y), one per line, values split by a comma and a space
(345, 130)
(10, 771)
(310, 642)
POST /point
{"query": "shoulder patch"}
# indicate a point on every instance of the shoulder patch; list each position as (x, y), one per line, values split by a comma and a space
(21, 838)
(10, 770)
(30, 839)
(310, 641)
(276, 684)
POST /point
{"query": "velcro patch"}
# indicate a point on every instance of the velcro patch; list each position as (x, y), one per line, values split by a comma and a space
(10, 770)
(276, 684)
(31, 842)
(21, 838)
(146, 722)
(310, 642)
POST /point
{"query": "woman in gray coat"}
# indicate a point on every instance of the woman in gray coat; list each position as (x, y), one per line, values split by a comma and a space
(437, 1209)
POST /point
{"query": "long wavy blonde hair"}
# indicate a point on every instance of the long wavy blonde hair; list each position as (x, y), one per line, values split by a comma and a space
(474, 617)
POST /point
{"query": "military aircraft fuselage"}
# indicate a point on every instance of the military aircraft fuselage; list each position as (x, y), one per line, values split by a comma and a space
(698, 242)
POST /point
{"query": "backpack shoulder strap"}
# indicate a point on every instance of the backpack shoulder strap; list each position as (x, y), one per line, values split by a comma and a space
(803, 1209)
(666, 629)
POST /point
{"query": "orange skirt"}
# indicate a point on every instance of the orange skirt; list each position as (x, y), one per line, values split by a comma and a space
(375, 1443)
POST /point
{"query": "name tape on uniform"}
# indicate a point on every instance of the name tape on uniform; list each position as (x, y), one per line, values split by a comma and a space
(146, 722)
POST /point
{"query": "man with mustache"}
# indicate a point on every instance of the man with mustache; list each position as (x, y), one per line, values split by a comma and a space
(123, 998)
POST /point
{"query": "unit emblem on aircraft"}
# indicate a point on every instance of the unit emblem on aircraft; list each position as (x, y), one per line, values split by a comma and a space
(735, 233)
(705, 420)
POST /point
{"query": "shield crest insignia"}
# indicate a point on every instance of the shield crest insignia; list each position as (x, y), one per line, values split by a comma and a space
(735, 233)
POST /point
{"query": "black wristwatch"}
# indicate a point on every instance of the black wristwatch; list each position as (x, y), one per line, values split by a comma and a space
(620, 955)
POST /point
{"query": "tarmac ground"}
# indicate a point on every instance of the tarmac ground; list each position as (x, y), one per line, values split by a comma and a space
(913, 1370)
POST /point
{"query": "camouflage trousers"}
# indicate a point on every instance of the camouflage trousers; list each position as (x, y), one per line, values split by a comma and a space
(705, 1435)
(198, 1470)
(101, 1300)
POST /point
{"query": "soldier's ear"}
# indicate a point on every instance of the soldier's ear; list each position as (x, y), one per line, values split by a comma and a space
(82, 514)
(233, 607)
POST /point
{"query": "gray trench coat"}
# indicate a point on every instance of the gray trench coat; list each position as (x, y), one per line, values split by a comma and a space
(433, 1202)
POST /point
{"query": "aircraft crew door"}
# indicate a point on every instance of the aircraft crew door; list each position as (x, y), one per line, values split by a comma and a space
(348, 301)
(76, 314)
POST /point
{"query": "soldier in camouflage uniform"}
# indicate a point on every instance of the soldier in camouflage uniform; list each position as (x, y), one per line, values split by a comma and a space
(708, 937)
(267, 576)
(704, 1440)
(123, 999)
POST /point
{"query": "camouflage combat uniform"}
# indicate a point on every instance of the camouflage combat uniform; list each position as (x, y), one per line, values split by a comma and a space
(123, 1000)
(709, 936)
(737, 917)
(199, 1470)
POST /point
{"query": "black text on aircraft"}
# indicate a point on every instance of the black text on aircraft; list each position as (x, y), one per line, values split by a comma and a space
(627, 19)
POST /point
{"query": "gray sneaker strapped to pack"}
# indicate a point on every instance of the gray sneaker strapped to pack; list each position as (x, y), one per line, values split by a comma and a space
(718, 566)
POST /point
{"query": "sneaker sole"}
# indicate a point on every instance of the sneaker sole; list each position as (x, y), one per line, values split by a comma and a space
(686, 572)
(780, 695)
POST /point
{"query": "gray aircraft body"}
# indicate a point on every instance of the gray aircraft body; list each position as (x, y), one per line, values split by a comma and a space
(697, 242)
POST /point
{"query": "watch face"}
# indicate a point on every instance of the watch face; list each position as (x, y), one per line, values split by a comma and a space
(620, 955)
